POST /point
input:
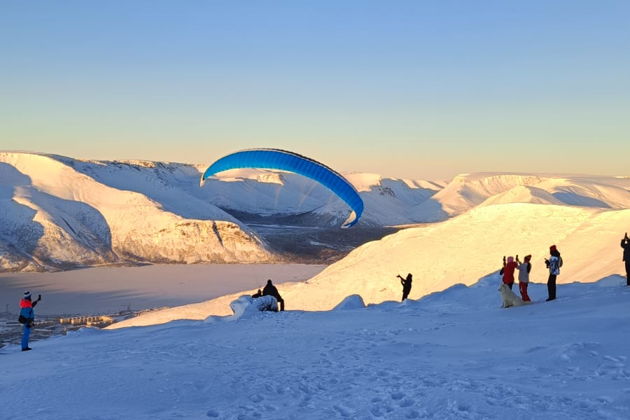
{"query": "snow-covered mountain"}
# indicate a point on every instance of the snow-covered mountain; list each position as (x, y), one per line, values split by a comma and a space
(59, 212)
(388, 201)
(467, 191)
(55, 214)
(460, 250)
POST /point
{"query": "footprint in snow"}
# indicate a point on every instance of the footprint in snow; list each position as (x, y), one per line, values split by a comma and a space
(397, 396)
(213, 414)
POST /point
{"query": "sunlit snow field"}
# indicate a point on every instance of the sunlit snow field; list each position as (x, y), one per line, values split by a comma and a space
(450, 355)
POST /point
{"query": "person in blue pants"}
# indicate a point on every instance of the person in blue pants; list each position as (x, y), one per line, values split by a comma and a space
(27, 317)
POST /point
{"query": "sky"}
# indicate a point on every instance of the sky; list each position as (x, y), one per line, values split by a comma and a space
(419, 89)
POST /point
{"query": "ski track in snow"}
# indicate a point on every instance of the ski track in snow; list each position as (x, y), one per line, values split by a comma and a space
(452, 355)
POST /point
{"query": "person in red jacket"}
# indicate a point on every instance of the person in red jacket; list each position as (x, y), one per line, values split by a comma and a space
(508, 271)
(27, 317)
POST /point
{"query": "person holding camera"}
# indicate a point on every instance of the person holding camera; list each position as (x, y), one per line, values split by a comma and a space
(27, 317)
(523, 276)
(507, 271)
(625, 244)
(553, 264)
(406, 284)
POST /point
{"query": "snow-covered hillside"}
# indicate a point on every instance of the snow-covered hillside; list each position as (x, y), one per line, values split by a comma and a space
(459, 250)
(467, 191)
(54, 215)
(59, 212)
(452, 355)
(388, 201)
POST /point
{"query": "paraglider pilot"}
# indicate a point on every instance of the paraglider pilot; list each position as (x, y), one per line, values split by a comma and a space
(270, 290)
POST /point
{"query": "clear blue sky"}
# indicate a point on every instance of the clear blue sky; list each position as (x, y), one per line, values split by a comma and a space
(423, 89)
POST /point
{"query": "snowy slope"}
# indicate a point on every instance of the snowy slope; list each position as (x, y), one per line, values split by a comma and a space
(55, 216)
(467, 191)
(388, 201)
(59, 212)
(452, 355)
(260, 192)
(459, 250)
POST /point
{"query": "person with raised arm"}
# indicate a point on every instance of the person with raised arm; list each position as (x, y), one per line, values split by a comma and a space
(406, 284)
(553, 264)
(27, 317)
(625, 244)
(523, 276)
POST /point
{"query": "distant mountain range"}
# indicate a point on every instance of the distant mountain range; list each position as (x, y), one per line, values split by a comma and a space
(59, 213)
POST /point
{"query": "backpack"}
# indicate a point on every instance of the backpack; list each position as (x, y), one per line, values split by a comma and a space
(559, 262)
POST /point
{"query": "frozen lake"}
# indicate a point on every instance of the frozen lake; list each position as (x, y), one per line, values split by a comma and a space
(111, 289)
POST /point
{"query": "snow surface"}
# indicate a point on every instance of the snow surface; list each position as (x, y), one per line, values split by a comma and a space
(459, 250)
(451, 355)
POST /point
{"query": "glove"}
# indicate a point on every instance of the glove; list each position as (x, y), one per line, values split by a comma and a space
(39, 297)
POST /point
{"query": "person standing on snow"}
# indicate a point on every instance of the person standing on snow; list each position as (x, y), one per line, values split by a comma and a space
(523, 276)
(406, 284)
(625, 244)
(553, 264)
(508, 271)
(270, 290)
(27, 317)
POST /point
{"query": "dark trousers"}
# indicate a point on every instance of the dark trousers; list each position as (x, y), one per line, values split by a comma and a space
(628, 272)
(551, 286)
(405, 293)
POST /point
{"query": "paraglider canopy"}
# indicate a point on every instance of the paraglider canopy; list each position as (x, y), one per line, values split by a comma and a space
(293, 162)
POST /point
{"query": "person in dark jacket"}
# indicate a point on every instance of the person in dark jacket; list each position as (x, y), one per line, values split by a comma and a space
(553, 264)
(270, 290)
(27, 317)
(406, 284)
(625, 244)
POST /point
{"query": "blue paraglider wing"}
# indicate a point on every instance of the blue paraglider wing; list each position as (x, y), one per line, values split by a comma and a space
(292, 162)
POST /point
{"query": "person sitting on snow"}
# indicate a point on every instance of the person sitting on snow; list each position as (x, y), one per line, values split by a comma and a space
(27, 317)
(270, 290)
(523, 276)
(508, 271)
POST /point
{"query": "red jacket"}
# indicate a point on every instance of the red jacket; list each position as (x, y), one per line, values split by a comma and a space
(508, 272)
(25, 303)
